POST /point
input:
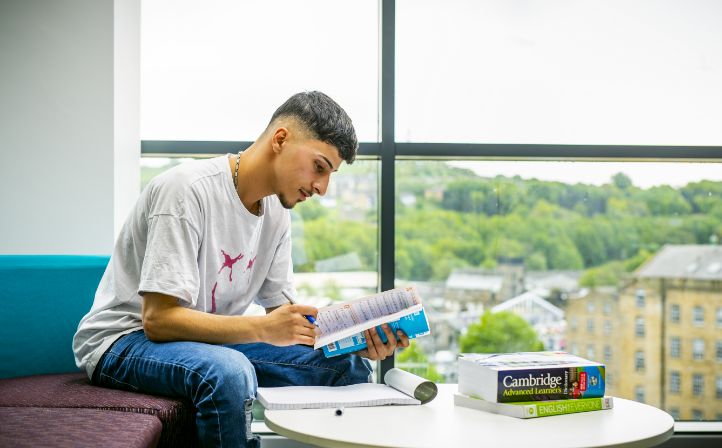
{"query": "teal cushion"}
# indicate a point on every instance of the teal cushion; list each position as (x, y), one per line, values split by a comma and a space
(42, 298)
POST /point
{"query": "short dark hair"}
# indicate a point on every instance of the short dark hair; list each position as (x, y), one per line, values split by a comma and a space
(324, 119)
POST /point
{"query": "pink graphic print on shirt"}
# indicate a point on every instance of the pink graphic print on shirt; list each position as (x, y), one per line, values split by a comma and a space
(249, 267)
(228, 262)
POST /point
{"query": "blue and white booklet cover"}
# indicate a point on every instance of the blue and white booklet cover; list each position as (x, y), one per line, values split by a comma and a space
(341, 325)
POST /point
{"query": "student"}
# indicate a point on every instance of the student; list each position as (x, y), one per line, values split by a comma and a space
(204, 240)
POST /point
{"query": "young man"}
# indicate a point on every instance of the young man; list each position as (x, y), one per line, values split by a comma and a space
(205, 240)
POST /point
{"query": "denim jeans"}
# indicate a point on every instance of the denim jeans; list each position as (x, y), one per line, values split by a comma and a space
(221, 380)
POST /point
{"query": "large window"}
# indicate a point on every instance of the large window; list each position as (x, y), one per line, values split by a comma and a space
(501, 169)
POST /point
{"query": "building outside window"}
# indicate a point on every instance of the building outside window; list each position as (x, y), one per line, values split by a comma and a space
(607, 353)
(674, 412)
(697, 414)
(590, 325)
(590, 307)
(719, 317)
(590, 351)
(718, 387)
(719, 351)
(674, 313)
(674, 382)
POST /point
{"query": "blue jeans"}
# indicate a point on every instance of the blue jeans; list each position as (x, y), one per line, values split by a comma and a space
(221, 380)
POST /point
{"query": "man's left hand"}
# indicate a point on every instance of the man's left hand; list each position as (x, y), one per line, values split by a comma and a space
(375, 348)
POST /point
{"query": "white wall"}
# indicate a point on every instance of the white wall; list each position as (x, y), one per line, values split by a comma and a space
(69, 141)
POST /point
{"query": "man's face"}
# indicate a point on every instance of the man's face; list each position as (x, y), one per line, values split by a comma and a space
(304, 170)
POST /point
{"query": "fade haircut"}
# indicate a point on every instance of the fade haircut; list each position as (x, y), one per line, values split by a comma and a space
(324, 119)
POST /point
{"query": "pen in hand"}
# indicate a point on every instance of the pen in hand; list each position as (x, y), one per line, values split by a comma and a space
(293, 302)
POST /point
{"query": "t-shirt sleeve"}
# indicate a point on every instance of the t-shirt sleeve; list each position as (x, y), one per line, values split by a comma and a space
(279, 277)
(170, 265)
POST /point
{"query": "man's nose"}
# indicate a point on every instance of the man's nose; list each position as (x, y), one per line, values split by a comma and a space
(321, 185)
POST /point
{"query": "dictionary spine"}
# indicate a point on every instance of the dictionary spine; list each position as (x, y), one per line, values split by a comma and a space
(542, 384)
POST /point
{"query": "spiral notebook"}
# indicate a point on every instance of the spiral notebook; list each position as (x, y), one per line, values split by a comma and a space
(401, 388)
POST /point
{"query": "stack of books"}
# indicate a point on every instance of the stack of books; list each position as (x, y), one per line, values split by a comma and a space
(531, 384)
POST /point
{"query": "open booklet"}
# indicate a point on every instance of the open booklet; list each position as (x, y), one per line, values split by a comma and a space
(341, 325)
(401, 388)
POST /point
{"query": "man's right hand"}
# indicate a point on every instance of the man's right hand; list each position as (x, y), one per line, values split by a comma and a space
(287, 325)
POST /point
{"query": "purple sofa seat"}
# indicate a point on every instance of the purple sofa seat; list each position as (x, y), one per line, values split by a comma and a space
(73, 390)
(63, 427)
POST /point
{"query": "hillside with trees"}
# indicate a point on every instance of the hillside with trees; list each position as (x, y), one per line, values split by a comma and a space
(450, 218)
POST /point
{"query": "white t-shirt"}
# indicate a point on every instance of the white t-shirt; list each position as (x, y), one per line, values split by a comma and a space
(189, 236)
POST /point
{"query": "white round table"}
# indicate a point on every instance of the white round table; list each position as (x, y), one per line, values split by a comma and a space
(441, 424)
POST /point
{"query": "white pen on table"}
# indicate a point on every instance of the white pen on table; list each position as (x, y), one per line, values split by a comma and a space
(293, 302)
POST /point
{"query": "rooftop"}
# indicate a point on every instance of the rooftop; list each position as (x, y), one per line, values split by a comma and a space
(691, 261)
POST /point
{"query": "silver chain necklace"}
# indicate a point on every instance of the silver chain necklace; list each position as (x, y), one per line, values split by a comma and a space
(235, 184)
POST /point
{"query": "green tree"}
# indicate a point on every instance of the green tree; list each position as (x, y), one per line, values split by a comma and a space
(608, 274)
(665, 200)
(501, 332)
(414, 360)
(327, 238)
(622, 181)
(310, 210)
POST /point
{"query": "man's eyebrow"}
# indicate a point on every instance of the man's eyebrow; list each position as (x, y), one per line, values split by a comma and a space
(329, 162)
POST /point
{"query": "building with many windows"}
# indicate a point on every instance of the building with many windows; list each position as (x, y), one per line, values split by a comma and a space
(661, 335)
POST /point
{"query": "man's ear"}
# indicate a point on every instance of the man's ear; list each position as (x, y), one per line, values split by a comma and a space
(279, 137)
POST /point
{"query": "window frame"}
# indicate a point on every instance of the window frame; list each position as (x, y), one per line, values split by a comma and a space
(698, 349)
(675, 313)
(675, 347)
(388, 150)
(639, 327)
(675, 382)
(697, 385)
(639, 361)
(698, 316)
(640, 296)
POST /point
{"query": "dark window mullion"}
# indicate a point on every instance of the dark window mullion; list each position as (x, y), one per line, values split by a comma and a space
(387, 184)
